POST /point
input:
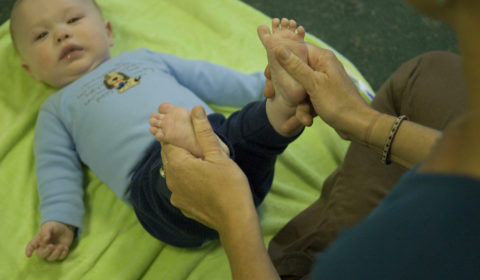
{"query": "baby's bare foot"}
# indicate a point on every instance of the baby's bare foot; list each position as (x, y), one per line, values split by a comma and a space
(284, 34)
(173, 125)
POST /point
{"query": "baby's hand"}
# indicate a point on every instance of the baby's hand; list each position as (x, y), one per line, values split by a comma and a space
(52, 241)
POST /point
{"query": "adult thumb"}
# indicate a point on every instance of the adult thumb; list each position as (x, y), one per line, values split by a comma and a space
(297, 68)
(206, 137)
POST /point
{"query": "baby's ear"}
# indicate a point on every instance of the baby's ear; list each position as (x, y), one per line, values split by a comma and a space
(29, 71)
(27, 68)
(109, 29)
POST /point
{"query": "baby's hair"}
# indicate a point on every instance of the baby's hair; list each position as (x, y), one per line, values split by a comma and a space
(18, 2)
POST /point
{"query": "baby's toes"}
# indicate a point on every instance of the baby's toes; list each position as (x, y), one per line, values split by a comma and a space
(301, 32)
(160, 136)
(292, 24)
(285, 23)
(275, 24)
(165, 108)
(263, 33)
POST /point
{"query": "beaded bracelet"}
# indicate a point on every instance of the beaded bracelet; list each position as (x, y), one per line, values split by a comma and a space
(388, 144)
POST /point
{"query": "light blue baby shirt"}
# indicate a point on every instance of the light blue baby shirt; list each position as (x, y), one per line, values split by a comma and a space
(107, 129)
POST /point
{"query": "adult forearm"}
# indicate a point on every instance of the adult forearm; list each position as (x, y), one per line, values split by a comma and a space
(336, 100)
(410, 145)
(245, 248)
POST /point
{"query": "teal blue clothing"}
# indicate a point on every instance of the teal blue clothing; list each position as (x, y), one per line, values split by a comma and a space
(101, 120)
(428, 227)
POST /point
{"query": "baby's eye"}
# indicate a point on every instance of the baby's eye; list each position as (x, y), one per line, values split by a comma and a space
(41, 36)
(73, 20)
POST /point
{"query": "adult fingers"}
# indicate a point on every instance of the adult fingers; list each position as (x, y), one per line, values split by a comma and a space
(206, 137)
(298, 69)
(320, 59)
(171, 155)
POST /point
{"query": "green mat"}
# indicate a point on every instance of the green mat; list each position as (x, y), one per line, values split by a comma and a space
(113, 244)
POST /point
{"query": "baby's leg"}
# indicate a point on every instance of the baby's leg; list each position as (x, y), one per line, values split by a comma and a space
(173, 125)
(284, 34)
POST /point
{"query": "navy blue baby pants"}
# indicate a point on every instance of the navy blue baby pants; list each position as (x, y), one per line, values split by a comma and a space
(254, 146)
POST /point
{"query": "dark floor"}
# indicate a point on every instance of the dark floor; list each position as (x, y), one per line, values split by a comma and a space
(376, 35)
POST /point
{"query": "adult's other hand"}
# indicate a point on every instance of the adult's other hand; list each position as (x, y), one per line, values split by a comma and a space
(212, 189)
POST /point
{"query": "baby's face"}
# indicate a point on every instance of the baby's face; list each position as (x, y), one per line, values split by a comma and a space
(60, 40)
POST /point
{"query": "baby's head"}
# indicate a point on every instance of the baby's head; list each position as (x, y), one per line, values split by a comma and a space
(60, 40)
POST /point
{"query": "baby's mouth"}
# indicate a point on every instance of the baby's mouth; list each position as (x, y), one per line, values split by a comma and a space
(71, 52)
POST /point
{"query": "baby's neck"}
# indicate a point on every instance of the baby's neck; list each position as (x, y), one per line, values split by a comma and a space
(94, 66)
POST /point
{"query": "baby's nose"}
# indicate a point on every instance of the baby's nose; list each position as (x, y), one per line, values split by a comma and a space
(63, 37)
(63, 34)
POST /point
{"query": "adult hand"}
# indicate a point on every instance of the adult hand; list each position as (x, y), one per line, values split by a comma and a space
(304, 113)
(52, 241)
(332, 93)
(212, 190)
(215, 192)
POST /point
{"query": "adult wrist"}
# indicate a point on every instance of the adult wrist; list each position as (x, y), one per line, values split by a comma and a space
(361, 126)
(238, 219)
(367, 137)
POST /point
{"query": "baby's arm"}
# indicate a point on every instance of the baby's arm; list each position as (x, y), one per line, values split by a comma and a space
(60, 187)
(215, 83)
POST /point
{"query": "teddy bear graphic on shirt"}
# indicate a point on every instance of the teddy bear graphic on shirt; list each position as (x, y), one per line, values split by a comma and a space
(120, 81)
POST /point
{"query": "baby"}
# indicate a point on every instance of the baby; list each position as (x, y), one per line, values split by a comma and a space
(100, 118)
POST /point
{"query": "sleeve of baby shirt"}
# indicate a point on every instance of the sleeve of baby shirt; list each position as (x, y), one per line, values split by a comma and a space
(215, 83)
(59, 171)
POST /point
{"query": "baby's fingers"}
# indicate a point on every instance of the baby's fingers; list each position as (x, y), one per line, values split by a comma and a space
(45, 251)
(269, 90)
(305, 114)
(64, 254)
(56, 254)
(32, 246)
